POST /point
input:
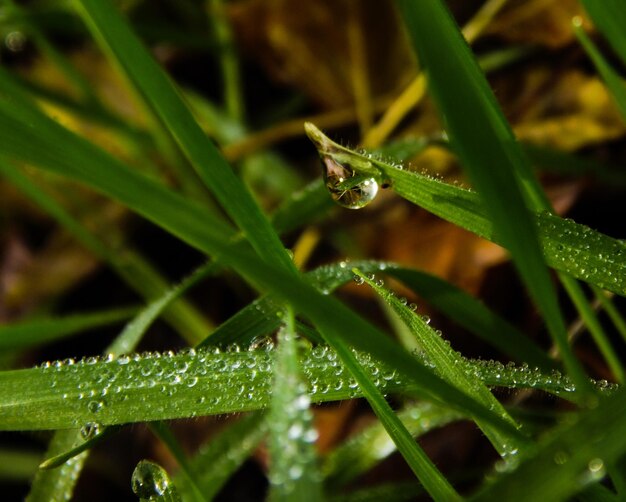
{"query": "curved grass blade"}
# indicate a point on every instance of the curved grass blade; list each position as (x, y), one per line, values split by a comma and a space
(396, 492)
(88, 444)
(473, 315)
(572, 457)
(611, 78)
(18, 465)
(371, 445)
(59, 483)
(488, 150)
(609, 16)
(162, 386)
(293, 461)
(447, 363)
(113, 33)
(223, 455)
(163, 432)
(196, 227)
(567, 246)
(48, 484)
(424, 469)
(129, 266)
(40, 331)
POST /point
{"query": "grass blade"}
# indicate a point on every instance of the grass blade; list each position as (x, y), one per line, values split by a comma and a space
(610, 18)
(58, 394)
(445, 361)
(293, 465)
(611, 78)
(472, 315)
(224, 454)
(432, 480)
(129, 266)
(186, 220)
(58, 484)
(41, 331)
(488, 150)
(569, 459)
(371, 445)
(567, 246)
(110, 29)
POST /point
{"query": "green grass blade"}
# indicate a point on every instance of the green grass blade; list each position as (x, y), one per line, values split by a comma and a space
(432, 480)
(163, 432)
(293, 461)
(371, 445)
(597, 493)
(151, 483)
(114, 33)
(59, 483)
(92, 436)
(569, 459)
(231, 78)
(552, 160)
(197, 228)
(41, 331)
(130, 266)
(126, 342)
(488, 150)
(473, 315)
(609, 16)
(615, 316)
(567, 246)
(389, 492)
(447, 363)
(611, 78)
(147, 387)
(129, 338)
(592, 322)
(224, 454)
(18, 465)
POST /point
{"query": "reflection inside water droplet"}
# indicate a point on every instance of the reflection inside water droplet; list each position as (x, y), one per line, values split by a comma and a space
(348, 188)
(149, 480)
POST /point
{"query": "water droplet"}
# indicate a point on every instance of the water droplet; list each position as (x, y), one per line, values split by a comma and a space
(15, 41)
(596, 465)
(149, 480)
(347, 187)
(561, 457)
(90, 430)
(95, 406)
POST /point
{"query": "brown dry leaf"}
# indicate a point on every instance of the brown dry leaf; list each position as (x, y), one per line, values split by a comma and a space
(307, 46)
(537, 22)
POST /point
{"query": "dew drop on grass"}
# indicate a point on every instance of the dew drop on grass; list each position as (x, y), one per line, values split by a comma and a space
(89, 430)
(149, 481)
(95, 406)
(348, 188)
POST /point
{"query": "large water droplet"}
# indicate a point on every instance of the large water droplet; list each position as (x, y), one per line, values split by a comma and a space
(149, 481)
(347, 187)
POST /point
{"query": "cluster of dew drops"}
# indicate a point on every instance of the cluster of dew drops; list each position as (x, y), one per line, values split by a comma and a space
(247, 369)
